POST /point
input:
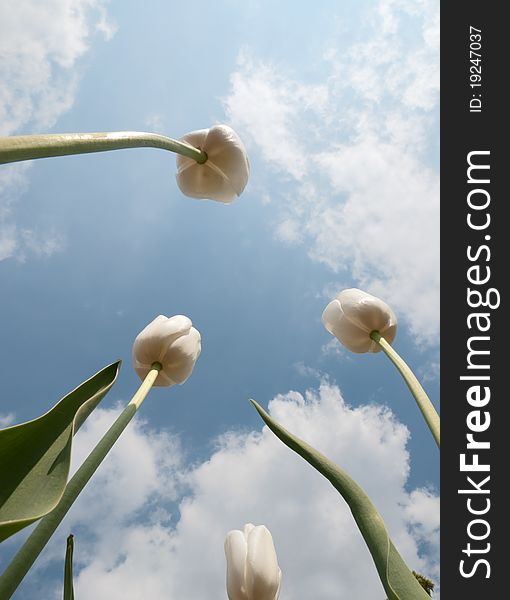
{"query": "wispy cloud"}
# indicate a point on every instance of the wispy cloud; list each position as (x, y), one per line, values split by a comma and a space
(307, 371)
(8, 241)
(357, 156)
(27, 243)
(335, 348)
(268, 107)
(41, 45)
(6, 419)
(176, 548)
(155, 122)
(38, 77)
(430, 371)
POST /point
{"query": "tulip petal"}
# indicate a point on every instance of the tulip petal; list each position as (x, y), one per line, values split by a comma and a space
(236, 550)
(152, 342)
(353, 315)
(354, 338)
(203, 182)
(224, 174)
(262, 571)
(172, 342)
(350, 335)
(180, 357)
(366, 311)
(277, 595)
(225, 149)
(332, 315)
(196, 139)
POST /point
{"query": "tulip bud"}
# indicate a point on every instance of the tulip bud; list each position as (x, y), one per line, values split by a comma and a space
(353, 315)
(252, 567)
(172, 342)
(225, 172)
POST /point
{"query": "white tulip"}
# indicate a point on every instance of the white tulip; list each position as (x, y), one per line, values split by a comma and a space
(252, 567)
(353, 315)
(172, 342)
(224, 174)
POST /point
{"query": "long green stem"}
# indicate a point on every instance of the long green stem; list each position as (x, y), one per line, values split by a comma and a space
(423, 401)
(28, 147)
(68, 570)
(27, 554)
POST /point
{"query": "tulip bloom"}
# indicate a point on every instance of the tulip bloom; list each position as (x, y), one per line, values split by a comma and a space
(363, 323)
(211, 163)
(353, 315)
(168, 347)
(173, 343)
(252, 567)
(224, 174)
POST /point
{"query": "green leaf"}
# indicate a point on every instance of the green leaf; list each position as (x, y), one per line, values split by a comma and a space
(397, 579)
(35, 456)
(68, 570)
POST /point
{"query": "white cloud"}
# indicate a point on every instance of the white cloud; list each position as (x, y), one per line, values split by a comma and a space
(155, 122)
(289, 230)
(8, 242)
(17, 241)
(335, 348)
(41, 244)
(22, 243)
(422, 510)
(12, 177)
(142, 471)
(41, 44)
(358, 184)
(132, 542)
(6, 419)
(38, 78)
(430, 371)
(307, 371)
(263, 110)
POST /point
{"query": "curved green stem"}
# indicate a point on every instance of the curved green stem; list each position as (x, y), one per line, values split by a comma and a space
(28, 147)
(423, 401)
(27, 554)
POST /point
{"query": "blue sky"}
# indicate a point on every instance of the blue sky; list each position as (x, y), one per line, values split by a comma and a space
(338, 107)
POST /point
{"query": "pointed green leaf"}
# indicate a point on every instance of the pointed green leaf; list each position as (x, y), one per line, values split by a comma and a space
(68, 570)
(397, 579)
(35, 456)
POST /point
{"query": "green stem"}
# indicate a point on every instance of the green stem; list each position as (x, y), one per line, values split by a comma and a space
(27, 554)
(68, 570)
(28, 147)
(423, 401)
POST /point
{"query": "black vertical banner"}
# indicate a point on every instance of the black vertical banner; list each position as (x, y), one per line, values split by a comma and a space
(475, 267)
